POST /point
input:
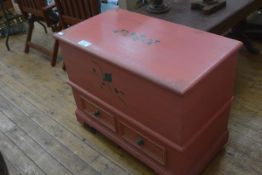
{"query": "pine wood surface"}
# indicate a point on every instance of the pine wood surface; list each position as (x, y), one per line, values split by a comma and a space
(39, 133)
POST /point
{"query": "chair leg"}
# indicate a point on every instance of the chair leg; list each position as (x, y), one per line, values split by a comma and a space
(42, 26)
(55, 53)
(29, 34)
(7, 36)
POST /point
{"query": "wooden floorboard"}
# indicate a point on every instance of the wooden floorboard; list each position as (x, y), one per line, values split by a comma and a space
(39, 133)
(17, 158)
(11, 169)
(51, 145)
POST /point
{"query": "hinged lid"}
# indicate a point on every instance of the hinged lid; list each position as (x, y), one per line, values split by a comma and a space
(171, 55)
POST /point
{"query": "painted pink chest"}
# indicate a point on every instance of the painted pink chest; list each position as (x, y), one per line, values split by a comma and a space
(161, 91)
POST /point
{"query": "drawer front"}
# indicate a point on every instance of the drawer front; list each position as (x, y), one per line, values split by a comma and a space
(147, 146)
(99, 114)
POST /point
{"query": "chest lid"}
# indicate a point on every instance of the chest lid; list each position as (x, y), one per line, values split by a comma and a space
(171, 55)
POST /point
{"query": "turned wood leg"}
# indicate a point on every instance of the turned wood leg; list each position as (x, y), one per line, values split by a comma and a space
(29, 34)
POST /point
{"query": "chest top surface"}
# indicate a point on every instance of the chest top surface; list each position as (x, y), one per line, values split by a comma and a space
(171, 55)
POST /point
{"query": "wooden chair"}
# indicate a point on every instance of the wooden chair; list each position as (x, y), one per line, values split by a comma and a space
(37, 11)
(72, 12)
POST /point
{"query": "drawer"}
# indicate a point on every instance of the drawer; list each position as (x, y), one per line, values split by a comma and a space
(99, 114)
(144, 144)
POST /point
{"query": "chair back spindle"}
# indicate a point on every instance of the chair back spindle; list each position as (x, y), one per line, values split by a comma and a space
(74, 11)
(34, 7)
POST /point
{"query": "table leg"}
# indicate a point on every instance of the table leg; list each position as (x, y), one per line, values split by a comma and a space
(238, 33)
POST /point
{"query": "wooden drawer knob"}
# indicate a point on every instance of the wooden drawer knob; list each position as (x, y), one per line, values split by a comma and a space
(97, 113)
(140, 142)
(107, 77)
